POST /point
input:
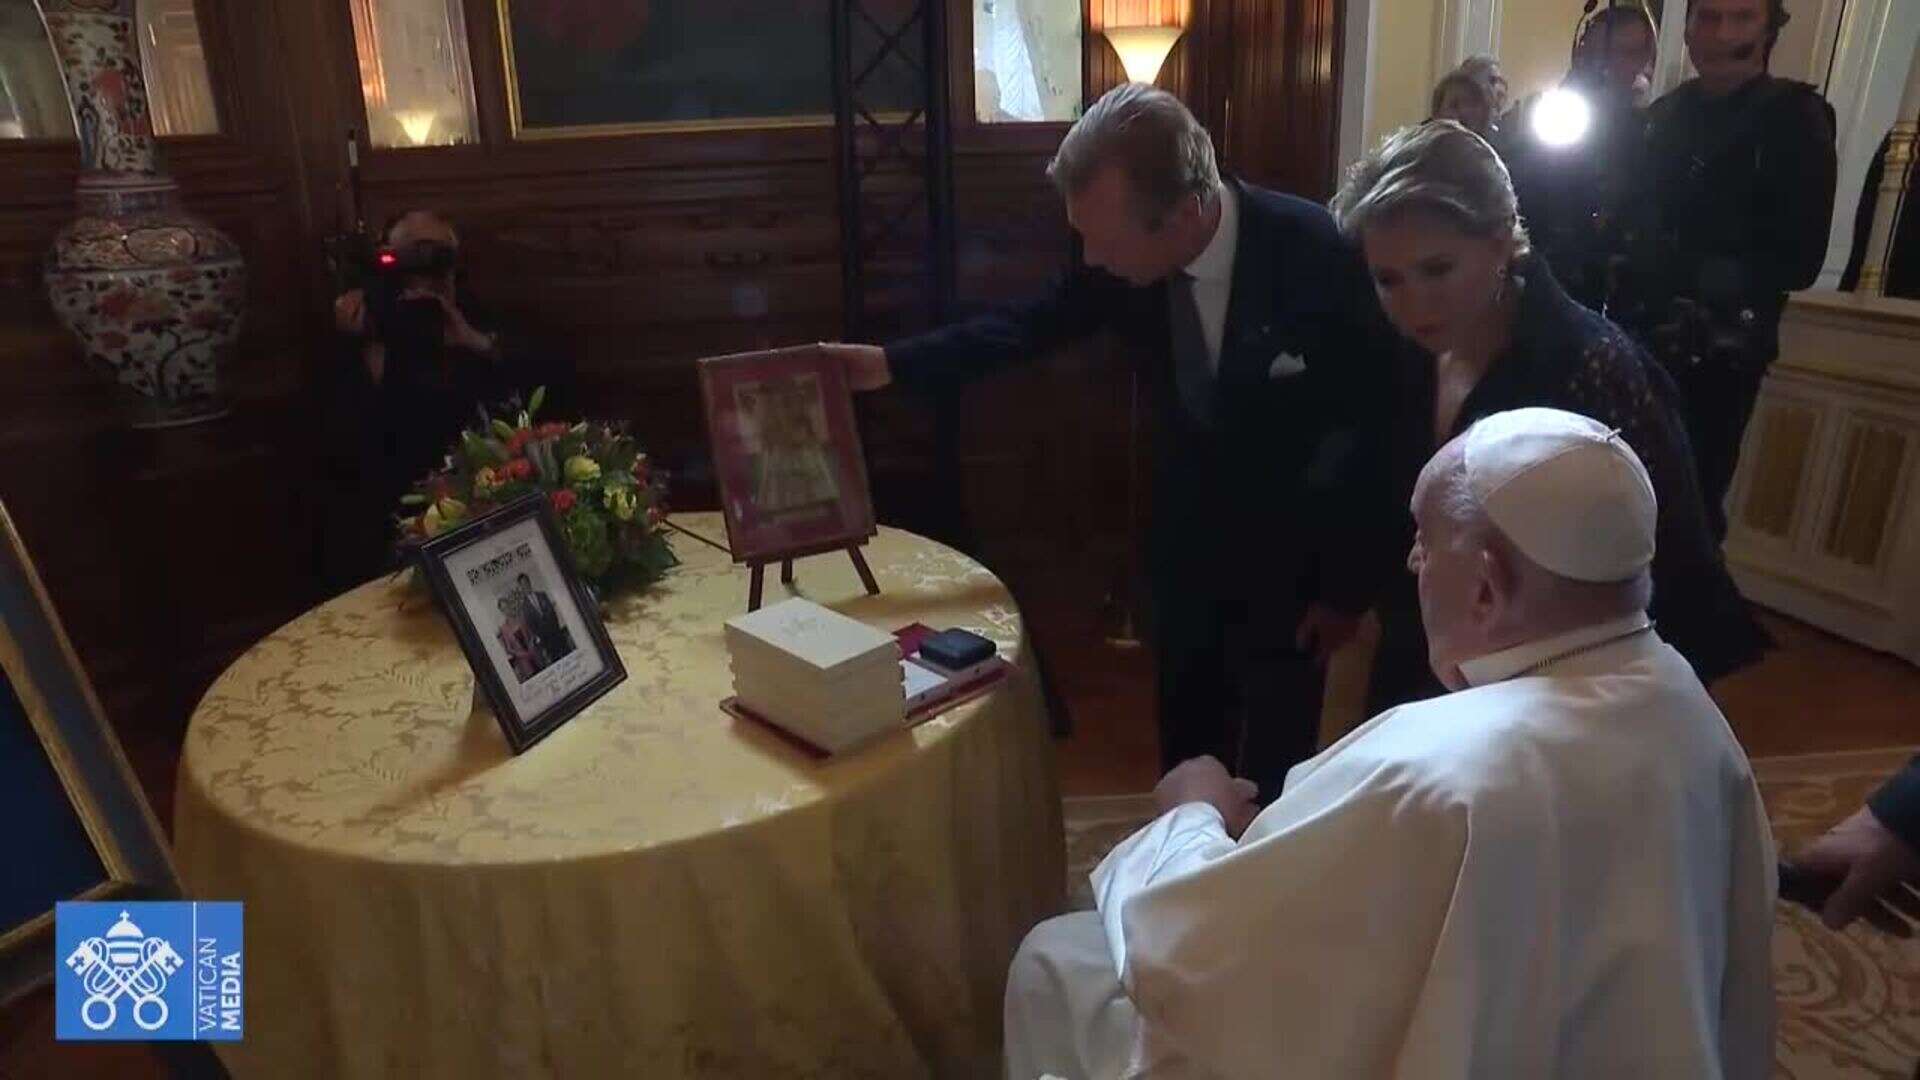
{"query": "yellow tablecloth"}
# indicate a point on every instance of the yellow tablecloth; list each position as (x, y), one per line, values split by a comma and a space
(655, 890)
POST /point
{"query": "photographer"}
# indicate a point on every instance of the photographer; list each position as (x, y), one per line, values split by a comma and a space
(1569, 194)
(1735, 198)
(418, 358)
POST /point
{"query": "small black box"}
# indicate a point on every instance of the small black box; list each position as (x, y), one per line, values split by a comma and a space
(956, 649)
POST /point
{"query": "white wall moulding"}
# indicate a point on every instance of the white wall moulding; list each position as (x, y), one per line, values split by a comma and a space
(1826, 507)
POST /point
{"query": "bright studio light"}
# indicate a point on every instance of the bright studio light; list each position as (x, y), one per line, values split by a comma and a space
(1562, 117)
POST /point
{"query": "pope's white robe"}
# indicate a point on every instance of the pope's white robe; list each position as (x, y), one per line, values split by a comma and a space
(1566, 874)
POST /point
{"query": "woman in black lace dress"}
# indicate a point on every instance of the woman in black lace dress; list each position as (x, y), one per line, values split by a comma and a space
(1488, 329)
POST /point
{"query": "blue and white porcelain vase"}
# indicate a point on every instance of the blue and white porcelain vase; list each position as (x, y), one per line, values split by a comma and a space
(154, 294)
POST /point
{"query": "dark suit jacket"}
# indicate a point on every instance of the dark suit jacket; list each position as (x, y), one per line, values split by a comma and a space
(1260, 497)
(545, 618)
(1897, 804)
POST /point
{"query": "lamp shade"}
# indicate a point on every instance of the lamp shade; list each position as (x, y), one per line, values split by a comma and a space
(1142, 49)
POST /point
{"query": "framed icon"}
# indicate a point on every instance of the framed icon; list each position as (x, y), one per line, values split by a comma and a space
(786, 452)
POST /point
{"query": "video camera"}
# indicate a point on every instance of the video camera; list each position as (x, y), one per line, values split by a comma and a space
(390, 272)
(382, 273)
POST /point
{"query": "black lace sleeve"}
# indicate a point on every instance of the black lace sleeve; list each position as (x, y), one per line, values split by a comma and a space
(1698, 607)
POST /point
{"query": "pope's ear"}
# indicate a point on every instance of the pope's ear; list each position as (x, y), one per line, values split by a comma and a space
(1497, 581)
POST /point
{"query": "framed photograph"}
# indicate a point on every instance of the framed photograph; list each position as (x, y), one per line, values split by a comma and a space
(578, 68)
(786, 452)
(85, 830)
(539, 650)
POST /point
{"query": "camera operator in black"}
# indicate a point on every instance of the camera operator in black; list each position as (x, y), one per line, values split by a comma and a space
(418, 357)
(1569, 195)
(1734, 203)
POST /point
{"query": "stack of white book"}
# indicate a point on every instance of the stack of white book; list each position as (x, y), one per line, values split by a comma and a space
(833, 681)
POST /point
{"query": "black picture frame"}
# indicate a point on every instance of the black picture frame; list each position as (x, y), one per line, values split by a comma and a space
(561, 660)
(88, 831)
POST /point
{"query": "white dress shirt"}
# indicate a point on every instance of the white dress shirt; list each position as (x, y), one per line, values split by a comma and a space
(1212, 272)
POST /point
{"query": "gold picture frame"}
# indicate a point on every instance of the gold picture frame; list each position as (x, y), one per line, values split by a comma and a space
(520, 131)
(43, 675)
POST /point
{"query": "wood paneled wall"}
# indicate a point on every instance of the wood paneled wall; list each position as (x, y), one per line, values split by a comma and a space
(170, 551)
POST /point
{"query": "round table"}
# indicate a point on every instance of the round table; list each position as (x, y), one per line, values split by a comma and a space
(657, 889)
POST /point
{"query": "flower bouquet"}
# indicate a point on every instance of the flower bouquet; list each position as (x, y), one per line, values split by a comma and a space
(606, 497)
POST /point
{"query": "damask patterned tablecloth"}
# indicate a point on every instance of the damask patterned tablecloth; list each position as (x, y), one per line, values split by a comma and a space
(657, 889)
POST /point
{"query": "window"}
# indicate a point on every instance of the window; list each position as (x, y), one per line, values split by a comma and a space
(33, 96)
(415, 75)
(1026, 60)
(33, 100)
(178, 92)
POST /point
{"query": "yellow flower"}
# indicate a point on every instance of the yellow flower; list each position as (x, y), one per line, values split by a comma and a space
(485, 480)
(443, 515)
(621, 504)
(581, 468)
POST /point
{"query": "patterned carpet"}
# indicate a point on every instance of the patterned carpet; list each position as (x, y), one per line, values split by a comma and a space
(1849, 1003)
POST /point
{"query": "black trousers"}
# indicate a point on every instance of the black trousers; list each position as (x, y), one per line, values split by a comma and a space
(1230, 682)
(1718, 399)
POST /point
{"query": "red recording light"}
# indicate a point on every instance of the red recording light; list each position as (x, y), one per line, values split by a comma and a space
(388, 258)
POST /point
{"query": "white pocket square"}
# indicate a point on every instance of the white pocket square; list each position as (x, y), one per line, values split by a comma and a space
(1284, 365)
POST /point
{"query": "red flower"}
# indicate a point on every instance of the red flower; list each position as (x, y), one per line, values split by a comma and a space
(563, 500)
(520, 469)
(518, 442)
(549, 431)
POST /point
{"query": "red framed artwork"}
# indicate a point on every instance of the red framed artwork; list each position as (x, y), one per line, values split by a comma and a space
(786, 452)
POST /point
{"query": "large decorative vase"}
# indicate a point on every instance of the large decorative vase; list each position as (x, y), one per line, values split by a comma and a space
(153, 293)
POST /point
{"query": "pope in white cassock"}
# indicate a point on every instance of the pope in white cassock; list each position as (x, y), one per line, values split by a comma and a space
(1560, 869)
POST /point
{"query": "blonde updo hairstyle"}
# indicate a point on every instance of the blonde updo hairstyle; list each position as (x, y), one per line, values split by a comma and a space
(1438, 167)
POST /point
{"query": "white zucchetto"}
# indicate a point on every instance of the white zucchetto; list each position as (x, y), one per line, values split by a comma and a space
(1568, 491)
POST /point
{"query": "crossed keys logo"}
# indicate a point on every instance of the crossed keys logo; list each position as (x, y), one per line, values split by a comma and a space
(124, 963)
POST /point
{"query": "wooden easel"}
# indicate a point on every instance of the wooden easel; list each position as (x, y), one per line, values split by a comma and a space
(756, 586)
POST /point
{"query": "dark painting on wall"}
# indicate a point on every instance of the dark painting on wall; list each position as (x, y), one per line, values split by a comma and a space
(585, 67)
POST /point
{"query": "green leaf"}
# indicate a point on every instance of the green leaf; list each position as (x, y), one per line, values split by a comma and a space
(539, 398)
(542, 456)
(503, 429)
(414, 499)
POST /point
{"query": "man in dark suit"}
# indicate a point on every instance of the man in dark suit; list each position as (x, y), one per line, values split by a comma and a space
(1261, 336)
(1732, 209)
(547, 625)
(1868, 865)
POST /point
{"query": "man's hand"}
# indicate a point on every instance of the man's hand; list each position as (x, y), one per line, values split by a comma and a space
(1324, 631)
(350, 312)
(866, 364)
(457, 331)
(1205, 780)
(1875, 871)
